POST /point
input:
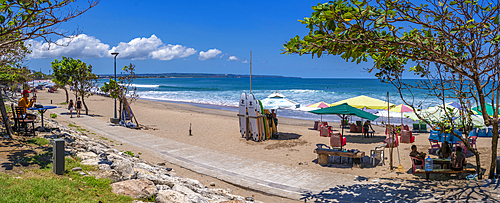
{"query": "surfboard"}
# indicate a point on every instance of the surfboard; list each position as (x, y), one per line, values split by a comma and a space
(243, 111)
(264, 121)
(259, 120)
(253, 120)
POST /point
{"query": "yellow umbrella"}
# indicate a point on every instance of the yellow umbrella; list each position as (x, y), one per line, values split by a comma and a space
(364, 102)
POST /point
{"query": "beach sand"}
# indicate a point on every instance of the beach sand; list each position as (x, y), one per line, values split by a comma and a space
(219, 130)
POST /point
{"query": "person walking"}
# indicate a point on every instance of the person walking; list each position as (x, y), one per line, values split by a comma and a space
(78, 107)
(70, 108)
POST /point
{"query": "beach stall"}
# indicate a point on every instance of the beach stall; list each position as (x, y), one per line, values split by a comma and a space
(344, 109)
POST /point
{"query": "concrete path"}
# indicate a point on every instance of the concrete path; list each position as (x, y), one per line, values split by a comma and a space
(287, 181)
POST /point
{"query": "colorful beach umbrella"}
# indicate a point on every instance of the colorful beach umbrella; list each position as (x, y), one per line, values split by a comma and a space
(364, 102)
(320, 105)
(401, 109)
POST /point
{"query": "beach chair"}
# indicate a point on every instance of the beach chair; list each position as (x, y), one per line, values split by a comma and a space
(434, 140)
(414, 165)
(19, 121)
(316, 125)
(481, 132)
(473, 132)
(407, 137)
(352, 128)
(337, 140)
(490, 132)
(324, 131)
(416, 127)
(423, 127)
(378, 152)
(472, 142)
(359, 126)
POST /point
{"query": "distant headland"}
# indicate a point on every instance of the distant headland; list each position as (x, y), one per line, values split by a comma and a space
(195, 75)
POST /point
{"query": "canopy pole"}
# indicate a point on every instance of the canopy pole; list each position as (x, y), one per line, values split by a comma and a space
(250, 72)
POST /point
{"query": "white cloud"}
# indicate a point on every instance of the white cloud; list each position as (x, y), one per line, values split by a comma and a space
(233, 58)
(153, 47)
(83, 46)
(80, 46)
(210, 54)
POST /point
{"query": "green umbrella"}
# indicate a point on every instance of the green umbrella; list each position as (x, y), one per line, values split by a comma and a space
(345, 109)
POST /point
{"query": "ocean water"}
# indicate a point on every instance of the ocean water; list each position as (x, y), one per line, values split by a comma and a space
(223, 93)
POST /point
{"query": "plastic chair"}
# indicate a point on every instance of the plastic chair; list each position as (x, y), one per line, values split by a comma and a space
(434, 143)
(414, 165)
(416, 127)
(472, 142)
(473, 132)
(490, 132)
(423, 127)
(378, 152)
(407, 137)
(481, 132)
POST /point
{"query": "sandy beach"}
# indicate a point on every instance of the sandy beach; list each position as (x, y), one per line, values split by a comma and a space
(218, 130)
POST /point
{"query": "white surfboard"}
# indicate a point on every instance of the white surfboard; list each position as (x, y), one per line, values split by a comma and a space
(253, 121)
(243, 111)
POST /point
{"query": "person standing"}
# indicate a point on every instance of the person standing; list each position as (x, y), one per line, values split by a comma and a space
(78, 107)
(366, 128)
(70, 108)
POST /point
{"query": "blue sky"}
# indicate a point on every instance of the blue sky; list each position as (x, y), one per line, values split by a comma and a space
(194, 37)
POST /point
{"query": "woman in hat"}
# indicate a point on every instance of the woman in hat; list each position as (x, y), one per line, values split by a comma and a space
(25, 103)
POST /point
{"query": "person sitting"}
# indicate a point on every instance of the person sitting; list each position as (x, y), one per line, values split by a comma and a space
(445, 151)
(366, 127)
(25, 103)
(457, 159)
(416, 154)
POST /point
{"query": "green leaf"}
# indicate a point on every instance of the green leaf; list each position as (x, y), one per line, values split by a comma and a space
(496, 20)
(453, 3)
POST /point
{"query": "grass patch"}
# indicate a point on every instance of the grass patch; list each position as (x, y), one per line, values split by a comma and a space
(8, 108)
(41, 185)
(53, 115)
(64, 103)
(129, 153)
(78, 128)
(103, 138)
(38, 141)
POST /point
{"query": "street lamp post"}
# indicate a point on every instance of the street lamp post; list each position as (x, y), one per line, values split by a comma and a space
(115, 54)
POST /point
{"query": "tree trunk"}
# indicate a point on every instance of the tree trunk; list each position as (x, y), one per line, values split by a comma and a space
(494, 146)
(85, 105)
(67, 95)
(5, 118)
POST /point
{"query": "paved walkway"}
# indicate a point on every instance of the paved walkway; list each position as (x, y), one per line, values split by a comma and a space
(287, 181)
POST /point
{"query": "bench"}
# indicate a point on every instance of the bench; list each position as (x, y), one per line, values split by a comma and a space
(323, 155)
(449, 171)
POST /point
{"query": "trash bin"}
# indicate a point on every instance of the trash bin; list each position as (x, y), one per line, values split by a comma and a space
(498, 166)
